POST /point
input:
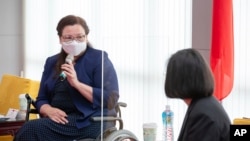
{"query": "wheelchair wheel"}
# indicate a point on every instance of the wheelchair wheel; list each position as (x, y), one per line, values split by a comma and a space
(121, 135)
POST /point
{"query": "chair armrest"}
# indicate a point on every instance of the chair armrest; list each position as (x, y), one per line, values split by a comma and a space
(109, 118)
(122, 104)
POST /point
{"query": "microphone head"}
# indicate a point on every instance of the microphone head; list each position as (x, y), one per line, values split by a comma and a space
(69, 59)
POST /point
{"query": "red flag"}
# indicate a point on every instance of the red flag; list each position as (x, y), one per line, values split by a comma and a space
(222, 50)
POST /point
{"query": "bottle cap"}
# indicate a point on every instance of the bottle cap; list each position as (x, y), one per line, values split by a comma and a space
(167, 107)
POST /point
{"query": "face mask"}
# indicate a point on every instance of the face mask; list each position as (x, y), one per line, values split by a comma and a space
(74, 48)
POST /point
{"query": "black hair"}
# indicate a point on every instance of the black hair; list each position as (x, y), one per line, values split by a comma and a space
(188, 76)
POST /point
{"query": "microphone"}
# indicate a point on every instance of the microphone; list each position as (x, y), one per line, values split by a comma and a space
(69, 59)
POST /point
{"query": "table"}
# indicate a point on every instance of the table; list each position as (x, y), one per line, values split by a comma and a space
(10, 127)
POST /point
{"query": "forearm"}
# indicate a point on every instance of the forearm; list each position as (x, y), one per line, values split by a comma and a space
(85, 90)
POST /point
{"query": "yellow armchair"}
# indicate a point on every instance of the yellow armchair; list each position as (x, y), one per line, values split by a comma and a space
(241, 121)
(11, 87)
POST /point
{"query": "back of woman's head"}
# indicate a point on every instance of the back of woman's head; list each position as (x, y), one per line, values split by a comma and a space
(188, 76)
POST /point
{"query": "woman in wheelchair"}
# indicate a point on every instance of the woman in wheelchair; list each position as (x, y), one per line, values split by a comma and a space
(71, 90)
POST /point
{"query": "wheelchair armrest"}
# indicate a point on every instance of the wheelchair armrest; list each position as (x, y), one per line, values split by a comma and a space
(122, 104)
(112, 118)
(109, 118)
(117, 108)
(30, 102)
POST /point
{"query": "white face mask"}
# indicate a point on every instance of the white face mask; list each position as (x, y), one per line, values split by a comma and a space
(74, 48)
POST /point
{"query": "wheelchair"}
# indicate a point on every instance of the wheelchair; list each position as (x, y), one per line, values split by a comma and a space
(110, 134)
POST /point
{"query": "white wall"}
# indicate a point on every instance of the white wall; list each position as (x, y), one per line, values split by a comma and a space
(201, 25)
(11, 37)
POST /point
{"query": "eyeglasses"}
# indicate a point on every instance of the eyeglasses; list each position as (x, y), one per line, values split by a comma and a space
(69, 39)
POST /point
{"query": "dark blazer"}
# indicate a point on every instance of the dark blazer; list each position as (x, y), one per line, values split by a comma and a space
(205, 120)
(90, 67)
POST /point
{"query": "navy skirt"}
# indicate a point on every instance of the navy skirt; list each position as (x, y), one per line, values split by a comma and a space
(44, 129)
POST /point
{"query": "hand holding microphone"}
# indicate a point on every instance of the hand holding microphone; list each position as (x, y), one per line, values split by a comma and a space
(68, 60)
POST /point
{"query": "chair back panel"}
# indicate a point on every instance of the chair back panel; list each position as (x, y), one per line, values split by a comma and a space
(11, 87)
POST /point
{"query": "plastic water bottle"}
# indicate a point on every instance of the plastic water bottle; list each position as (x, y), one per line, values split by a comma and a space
(167, 120)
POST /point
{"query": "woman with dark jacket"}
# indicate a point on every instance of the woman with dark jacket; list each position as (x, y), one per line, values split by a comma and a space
(71, 93)
(189, 78)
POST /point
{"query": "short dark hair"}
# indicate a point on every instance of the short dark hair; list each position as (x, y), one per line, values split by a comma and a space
(188, 76)
(71, 20)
